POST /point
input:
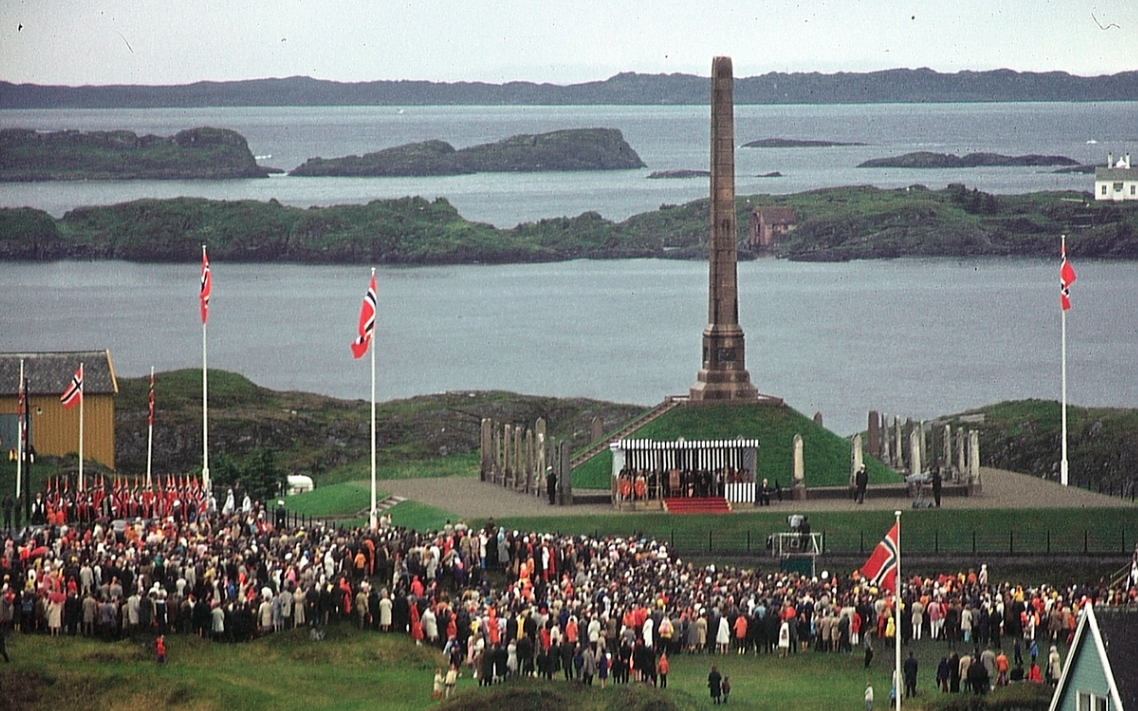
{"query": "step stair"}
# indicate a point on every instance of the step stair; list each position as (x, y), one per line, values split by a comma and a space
(602, 444)
(697, 505)
(381, 506)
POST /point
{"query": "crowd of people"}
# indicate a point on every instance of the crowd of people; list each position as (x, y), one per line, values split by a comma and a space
(499, 603)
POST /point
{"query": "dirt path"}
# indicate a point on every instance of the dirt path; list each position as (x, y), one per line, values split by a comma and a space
(471, 498)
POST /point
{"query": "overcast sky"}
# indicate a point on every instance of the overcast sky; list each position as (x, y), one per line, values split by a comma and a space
(74, 42)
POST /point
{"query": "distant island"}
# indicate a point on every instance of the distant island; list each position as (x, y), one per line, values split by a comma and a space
(197, 153)
(925, 159)
(795, 143)
(570, 149)
(678, 174)
(627, 89)
(834, 224)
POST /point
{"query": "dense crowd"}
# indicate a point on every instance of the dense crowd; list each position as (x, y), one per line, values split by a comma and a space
(499, 603)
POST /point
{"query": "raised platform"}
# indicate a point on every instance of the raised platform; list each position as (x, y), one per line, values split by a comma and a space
(697, 505)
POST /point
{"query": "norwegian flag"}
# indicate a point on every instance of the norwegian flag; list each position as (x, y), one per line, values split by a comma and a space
(73, 395)
(367, 322)
(881, 568)
(150, 402)
(1066, 279)
(207, 287)
(21, 403)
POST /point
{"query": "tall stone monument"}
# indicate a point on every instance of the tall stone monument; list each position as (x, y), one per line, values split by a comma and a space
(724, 375)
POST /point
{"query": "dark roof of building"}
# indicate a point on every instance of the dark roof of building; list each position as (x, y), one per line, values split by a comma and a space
(777, 215)
(50, 373)
(1116, 173)
(1118, 627)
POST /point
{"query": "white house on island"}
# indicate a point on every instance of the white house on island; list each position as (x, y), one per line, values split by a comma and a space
(1117, 181)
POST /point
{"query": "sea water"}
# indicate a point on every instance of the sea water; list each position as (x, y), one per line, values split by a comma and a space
(913, 337)
(666, 138)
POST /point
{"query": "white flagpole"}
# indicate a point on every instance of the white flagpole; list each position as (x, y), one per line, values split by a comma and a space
(372, 519)
(897, 617)
(205, 413)
(82, 387)
(149, 428)
(20, 432)
(1063, 370)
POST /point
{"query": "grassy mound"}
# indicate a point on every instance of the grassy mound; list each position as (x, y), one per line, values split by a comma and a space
(827, 456)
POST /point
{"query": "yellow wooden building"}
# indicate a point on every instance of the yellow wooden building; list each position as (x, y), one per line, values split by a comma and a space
(54, 431)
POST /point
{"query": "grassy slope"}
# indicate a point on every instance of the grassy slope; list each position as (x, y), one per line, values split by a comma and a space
(351, 670)
(827, 456)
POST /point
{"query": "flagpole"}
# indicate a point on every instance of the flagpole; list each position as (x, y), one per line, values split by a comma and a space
(1063, 378)
(82, 376)
(20, 432)
(372, 521)
(150, 426)
(897, 617)
(205, 399)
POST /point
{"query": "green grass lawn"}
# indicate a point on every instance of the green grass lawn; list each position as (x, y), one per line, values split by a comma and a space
(826, 455)
(361, 670)
(931, 530)
(345, 498)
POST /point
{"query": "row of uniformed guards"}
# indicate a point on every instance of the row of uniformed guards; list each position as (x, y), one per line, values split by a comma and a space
(652, 470)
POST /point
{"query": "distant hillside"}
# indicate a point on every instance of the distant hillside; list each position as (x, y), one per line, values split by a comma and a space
(1025, 436)
(320, 435)
(569, 149)
(889, 86)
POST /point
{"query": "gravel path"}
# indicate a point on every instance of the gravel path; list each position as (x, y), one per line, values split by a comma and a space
(470, 498)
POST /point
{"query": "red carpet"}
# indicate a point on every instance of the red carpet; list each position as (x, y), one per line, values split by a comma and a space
(711, 504)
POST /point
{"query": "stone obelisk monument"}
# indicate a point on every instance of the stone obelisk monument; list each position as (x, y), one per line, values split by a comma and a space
(723, 376)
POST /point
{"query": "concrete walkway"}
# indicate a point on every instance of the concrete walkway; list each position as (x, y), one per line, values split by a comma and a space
(468, 497)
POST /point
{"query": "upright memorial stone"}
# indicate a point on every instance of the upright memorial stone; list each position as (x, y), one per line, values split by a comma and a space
(899, 444)
(564, 485)
(507, 454)
(973, 462)
(961, 472)
(530, 463)
(873, 432)
(915, 451)
(855, 457)
(886, 450)
(596, 429)
(485, 448)
(542, 457)
(924, 441)
(519, 456)
(798, 480)
(946, 455)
